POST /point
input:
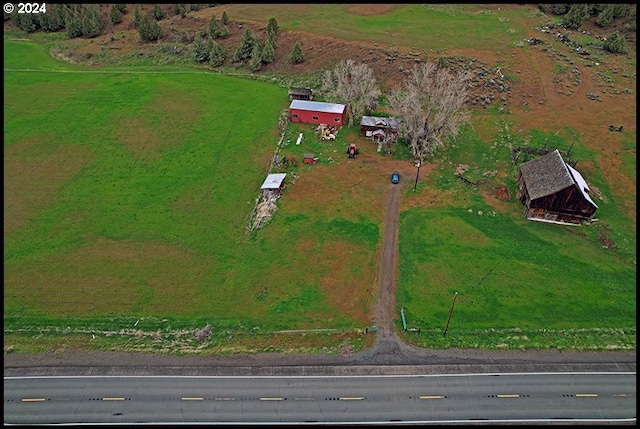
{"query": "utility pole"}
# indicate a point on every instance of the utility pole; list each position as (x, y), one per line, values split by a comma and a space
(417, 173)
(450, 311)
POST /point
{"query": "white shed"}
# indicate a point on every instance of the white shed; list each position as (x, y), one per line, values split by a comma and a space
(274, 182)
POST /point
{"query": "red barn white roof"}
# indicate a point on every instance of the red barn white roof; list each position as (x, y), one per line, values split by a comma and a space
(317, 106)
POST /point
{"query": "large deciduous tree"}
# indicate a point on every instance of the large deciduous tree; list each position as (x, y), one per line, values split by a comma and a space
(430, 105)
(353, 85)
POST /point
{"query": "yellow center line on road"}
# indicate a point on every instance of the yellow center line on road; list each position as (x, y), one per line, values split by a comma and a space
(113, 399)
(272, 399)
(432, 397)
(354, 398)
(508, 396)
(192, 399)
(33, 399)
(586, 395)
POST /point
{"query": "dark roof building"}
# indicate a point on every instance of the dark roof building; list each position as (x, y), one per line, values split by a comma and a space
(551, 190)
(300, 93)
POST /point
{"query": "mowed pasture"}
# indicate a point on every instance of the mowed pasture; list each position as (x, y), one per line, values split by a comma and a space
(127, 197)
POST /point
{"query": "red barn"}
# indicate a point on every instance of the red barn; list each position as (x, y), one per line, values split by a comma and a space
(317, 112)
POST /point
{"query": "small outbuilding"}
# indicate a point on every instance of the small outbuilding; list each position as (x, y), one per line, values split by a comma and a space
(317, 112)
(300, 93)
(553, 191)
(377, 128)
(274, 183)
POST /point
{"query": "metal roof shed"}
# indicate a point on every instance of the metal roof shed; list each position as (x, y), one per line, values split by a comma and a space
(273, 182)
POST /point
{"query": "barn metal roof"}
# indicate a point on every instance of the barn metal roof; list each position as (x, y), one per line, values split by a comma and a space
(373, 121)
(273, 181)
(582, 184)
(550, 174)
(317, 106)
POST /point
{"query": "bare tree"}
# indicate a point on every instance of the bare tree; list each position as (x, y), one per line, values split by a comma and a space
(431, 107)
(353, 85)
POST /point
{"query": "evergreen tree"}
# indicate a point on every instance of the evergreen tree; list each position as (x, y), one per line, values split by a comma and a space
(214, 27)
(121, 7)
(225, 18)
(116, 15)
(271, 35)
(576, 16)
(273, 25)
(246, 46)
(59, 14)
(268, 52)
(26, 22)
(255, 63)
(158, 12)
(73, 24)
(137, 17)
(295, 56)
(217, 55)
(148, 29)
(194, 6)
(615, 44)
(223, 32)
(91, 21)
(200, 52)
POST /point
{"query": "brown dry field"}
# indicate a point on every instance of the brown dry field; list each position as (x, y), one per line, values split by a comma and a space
(538, 100)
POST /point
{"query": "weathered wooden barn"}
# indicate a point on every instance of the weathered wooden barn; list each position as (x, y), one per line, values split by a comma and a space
(317, 112)
(553, 191)
(300, 93)
(377, 128)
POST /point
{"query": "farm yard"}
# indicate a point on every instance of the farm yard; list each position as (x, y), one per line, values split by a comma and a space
(130, 181)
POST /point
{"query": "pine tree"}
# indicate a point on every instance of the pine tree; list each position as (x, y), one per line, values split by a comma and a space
(116, 15)
(217, 55)
(576, 16)
(615, 44)
(273, 25)
(296, 56)
(200, 52)
(214, 27)
(225, 18)
(158, 12)
(72, 24)
(268, 52)
(91, 21)
(137, 17)
(271, 35)
(148, 29)
(246, 46)
(255, 63)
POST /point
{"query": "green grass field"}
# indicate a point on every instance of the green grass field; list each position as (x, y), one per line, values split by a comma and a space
(127, 197)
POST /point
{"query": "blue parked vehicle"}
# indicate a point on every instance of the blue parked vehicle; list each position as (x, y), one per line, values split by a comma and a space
(395, 178)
